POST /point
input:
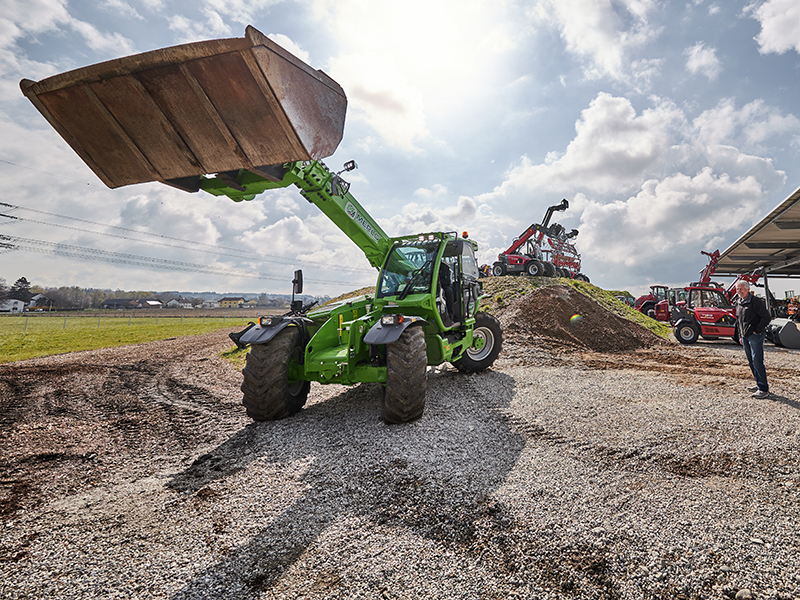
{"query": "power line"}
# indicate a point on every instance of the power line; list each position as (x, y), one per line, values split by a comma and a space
(9, 243)
(156, 243)
(249, 253)
(8, 162)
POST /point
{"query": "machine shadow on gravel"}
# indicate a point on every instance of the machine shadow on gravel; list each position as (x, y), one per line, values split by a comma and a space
(434, 476)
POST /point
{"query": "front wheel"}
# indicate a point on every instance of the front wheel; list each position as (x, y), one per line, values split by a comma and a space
(406, 377)
(269, 394)
(534, 268)
(487, 340)
(687, 333)
(498, 270)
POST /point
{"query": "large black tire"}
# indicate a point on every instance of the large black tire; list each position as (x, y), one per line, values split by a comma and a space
(488, 331)
(498, 270)
(534, 268)
(268, 392)
(582, 277)
(549, 269)
(406, 377)
(649, 309)
(687, 333)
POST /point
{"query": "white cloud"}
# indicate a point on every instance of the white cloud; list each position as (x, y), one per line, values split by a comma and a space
(702, 60)
(112, 44)
(122, 8)
(748, 127)
(27, 19)
(187, 30)
(676, 211)
(437, 190)
(604, 33)
(289, 44)
(611, 152)
(243, 12)
(780, 26)
(404, 63)
(646, 185)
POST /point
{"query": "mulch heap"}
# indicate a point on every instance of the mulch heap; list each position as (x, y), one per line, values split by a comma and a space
(561, 314)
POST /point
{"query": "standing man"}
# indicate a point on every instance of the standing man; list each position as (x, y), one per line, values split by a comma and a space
(752, 318)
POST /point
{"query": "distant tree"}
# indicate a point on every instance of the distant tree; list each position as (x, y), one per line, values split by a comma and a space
(21, 290)
(3, 289)
(98, 297)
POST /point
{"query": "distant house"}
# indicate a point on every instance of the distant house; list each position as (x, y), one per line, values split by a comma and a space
(210, 304)
(231, 302)
(251, 303)
(150, 304)
(179, 303)
(119, 303)
(38, 301)
(12, 306)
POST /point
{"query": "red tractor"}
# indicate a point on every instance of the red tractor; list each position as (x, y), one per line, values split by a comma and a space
(702, 309)
(658, 293)
(647, 304)
(547, 251)
(699, 310)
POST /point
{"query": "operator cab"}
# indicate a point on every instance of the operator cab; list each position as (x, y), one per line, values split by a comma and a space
(446, 268)
(707, 298)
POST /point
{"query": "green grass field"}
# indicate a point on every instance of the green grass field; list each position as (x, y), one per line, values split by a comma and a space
(53, 335)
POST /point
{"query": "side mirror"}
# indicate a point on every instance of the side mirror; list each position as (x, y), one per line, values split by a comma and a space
(297, 282)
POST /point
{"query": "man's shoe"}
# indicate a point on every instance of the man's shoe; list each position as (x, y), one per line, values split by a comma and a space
(752, 388)
(760, 394)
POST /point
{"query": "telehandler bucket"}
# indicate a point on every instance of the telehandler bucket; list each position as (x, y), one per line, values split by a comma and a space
(174, 114)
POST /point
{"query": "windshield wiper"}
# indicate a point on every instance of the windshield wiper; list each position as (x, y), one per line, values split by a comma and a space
(414, 277)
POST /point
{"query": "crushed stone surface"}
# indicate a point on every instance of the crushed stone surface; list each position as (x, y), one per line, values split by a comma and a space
(571, 469)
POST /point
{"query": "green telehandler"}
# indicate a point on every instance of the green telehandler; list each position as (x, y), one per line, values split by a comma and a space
(237, 117)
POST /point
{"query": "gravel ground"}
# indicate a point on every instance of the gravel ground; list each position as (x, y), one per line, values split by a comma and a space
(560, 473)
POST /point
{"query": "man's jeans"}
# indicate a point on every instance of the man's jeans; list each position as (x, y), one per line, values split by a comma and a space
(754, 350)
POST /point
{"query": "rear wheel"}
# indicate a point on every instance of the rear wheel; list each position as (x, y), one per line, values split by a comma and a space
(687, 333)
(549, 269)
(269, 394)
(487, 340)
(534, 268)
(406, 377)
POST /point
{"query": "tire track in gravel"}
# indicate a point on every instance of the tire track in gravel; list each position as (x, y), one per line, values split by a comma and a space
(73, 425)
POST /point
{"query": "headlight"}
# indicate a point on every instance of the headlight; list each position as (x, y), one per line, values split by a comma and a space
(391, 320)
(268, 321)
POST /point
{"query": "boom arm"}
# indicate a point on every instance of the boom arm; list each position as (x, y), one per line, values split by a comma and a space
(319, 186)
(540, 227)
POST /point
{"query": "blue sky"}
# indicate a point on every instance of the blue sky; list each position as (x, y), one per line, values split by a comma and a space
(671, 127)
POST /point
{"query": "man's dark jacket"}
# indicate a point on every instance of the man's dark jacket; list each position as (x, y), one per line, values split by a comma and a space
(752, 315)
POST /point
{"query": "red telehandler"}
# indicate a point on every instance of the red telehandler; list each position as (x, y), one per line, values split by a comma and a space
(547, 251)
(647, 303)
(703, 308)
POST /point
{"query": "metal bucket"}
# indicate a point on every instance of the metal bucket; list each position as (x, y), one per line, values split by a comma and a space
(174, 114)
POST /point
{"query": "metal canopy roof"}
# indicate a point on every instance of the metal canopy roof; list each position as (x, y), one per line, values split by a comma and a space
(772, 244)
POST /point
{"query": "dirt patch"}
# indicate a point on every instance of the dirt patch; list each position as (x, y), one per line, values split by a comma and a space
(73, 422)
(564, 316)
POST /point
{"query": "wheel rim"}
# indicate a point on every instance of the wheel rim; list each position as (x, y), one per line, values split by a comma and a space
(485, 335)
(686, 333)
